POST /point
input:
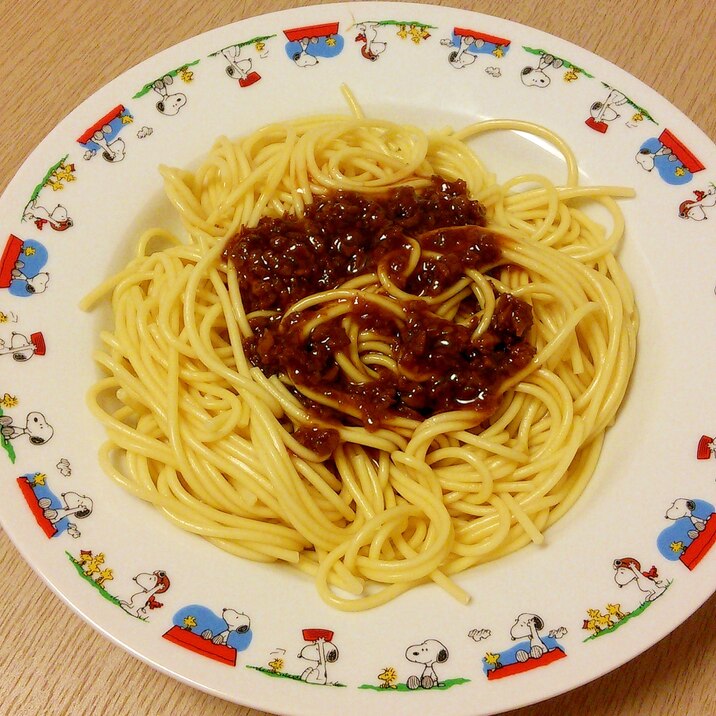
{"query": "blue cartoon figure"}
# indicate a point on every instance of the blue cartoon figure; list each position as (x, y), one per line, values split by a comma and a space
(533, 649)
(693, 533)
(199, 629)
(467, 44)
(672, 160)
(54, 514)
(306, 44)
(103, 136)
(20, 267)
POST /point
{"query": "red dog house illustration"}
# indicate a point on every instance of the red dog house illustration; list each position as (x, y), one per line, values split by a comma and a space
(38, 340)
(703, 450)
(488, 39)
(37, 512)
(10, 255)
(697, 550)
(520, 666)
(316, 634)
(679, 150)
(196, 643)
(111, 116)
(596, 125)
(311, 32)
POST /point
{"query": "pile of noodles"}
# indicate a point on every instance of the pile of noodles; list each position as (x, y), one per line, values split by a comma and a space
(198, 431)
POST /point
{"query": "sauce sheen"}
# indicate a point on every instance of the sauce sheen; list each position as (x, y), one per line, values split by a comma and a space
(422, 242)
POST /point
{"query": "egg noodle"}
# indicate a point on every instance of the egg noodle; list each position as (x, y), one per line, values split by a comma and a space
(207, 438)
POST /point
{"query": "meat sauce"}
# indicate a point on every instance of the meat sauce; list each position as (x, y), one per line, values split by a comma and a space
(344, 235)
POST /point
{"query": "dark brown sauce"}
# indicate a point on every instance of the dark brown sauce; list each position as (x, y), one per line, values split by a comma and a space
(343, 235)
(322, 441)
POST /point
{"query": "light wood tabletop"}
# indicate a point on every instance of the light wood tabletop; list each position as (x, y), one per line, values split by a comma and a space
(54, 55)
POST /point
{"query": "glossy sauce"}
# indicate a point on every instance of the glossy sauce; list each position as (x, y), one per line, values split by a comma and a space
(341, 236)
(439, 365)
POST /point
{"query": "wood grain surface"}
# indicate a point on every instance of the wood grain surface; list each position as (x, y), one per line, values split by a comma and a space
(54, 55)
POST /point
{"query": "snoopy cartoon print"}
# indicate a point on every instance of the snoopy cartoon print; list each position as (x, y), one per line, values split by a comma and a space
(307, 45)
(58, 219)
(602, 112)
(670, 157)
(368, 32)
(57, 177)
(150, 584)
(319, 652)
(73, 504)
(426, 671)
(20, 267)
(216, 636)
(427, 654)
(645, 587)
(55, 515)
(692, 532)
(21, 347)
(533, 649)
(234, 621)
(313, 659)
(465, 46)
(371, 47)
(628, 570)
(611, 107)
(239, 66)
(36, 428)
(541, 74)
(169, 102)
(700, 206)
(103, 138)
(168, 98)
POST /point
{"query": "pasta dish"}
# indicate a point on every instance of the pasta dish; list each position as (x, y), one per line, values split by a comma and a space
(366, 358)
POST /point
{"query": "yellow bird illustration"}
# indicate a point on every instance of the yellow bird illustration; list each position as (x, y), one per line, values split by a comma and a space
(65, 172)
(388, 676)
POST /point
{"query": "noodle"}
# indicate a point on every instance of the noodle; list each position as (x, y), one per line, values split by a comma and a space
(194, 428)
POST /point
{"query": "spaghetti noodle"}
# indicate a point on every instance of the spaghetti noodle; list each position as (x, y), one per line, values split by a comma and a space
(369, 509)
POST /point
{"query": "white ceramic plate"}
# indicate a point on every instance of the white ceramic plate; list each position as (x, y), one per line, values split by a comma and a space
(72, 215)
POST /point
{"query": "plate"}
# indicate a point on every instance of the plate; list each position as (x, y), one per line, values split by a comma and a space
(72, 215)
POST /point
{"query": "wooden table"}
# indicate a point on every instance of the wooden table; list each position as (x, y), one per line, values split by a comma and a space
(53, 55)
